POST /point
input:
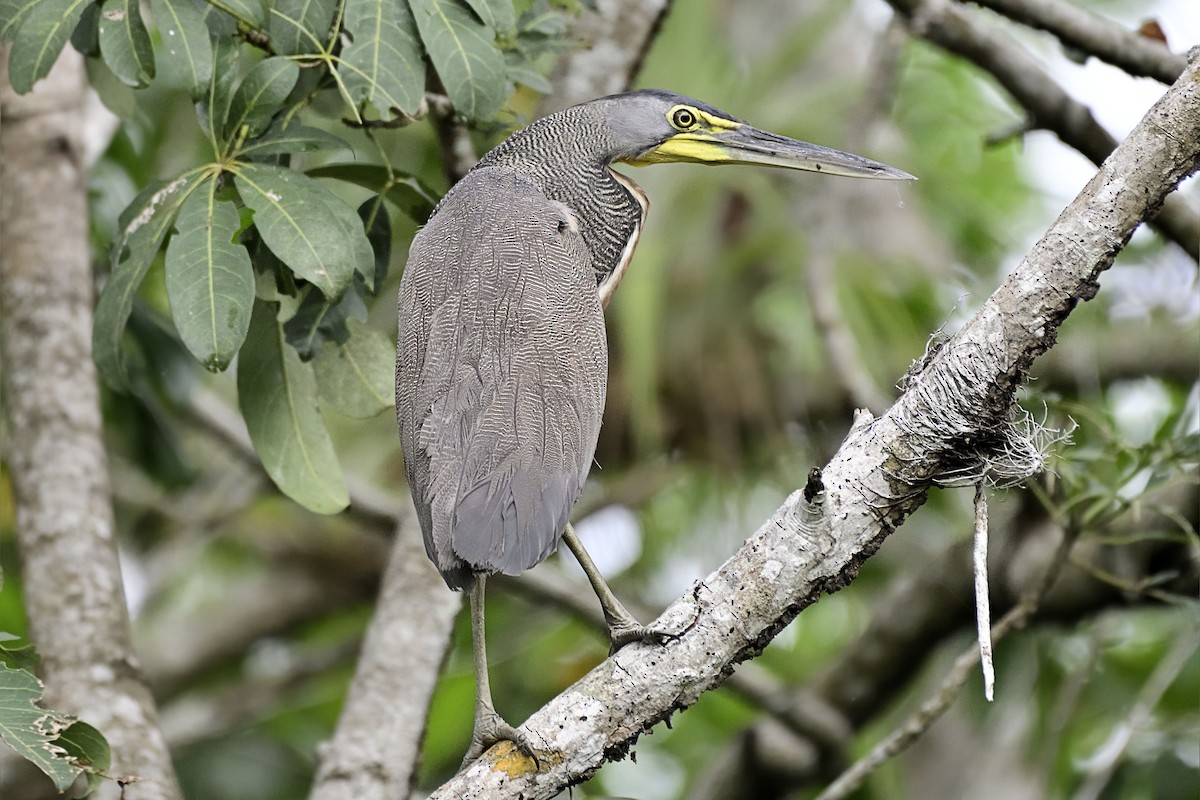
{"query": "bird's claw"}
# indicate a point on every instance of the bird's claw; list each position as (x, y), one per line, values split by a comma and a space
(491, 729)
(622, 634)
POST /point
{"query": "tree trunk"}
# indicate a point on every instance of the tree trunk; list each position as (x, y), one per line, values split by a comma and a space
(70, 573)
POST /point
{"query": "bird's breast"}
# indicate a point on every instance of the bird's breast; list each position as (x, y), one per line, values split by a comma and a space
(612, 279)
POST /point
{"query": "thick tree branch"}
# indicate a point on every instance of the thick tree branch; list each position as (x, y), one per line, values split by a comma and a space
(71, 576)
(1079, 28)
(956, 408)
(1048, 106)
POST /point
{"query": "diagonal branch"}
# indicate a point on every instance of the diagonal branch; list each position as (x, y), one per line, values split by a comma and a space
(1079, 28)
(1048, 106)
(958, 403)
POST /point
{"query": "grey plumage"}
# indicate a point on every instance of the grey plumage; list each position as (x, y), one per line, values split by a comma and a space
(501, 371)
(501, 360)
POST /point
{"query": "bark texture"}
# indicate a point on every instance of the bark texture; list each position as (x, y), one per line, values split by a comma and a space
(71, 576)
(955, 416)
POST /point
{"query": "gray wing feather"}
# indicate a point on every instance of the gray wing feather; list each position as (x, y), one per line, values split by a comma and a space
(500, 374)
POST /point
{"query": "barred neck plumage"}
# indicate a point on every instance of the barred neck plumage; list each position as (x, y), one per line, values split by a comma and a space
(567, 154)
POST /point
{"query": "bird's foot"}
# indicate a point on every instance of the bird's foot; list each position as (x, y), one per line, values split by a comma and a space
(630, 631)
(491, 729)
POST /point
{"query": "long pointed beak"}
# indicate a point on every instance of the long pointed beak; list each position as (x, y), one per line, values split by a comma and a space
(743, 144)
(747, 145)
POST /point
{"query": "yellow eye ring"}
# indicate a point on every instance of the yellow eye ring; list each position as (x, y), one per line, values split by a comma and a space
(683, 118)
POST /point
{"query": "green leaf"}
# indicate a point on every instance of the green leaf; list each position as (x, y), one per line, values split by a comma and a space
(294, 139)
(407, 193)
(317, 321)
(278, 396)
(186, 61)
(260, 96)
(213, 108)
(464, 52)
(308, 227)
(144, 226)
(44, 31)
(520, 70)
(210, 283)
(357, 379)
(86, 36)
(125, 42)
(300, 27)
(32, 731)
(252, 11)
(12, 14)
(498, 15)
(89, 749)
(18, 656)
(383, 66)
(379, 233)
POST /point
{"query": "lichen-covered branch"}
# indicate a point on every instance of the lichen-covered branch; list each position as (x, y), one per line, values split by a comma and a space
(957, 407)
(71, 576)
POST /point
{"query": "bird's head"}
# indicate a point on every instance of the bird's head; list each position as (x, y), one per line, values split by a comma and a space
(656, 127)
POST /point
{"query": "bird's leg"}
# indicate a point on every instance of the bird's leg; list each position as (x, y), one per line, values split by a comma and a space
(623, 629)
(490, 727)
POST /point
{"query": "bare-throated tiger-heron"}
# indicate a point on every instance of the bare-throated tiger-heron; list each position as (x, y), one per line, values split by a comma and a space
(502, 359)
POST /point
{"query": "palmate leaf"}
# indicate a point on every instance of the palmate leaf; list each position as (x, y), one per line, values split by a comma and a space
(210, 283)
(260, 96)
(278, 397)
(312, 230)
(299, 27)
(43, 32)
(186, 60)
(357, 378)
(463, 51)
(144, 225)
(383, 66)
(56, 744)
(125, 42)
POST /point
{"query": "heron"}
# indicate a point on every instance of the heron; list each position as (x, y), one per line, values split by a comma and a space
(502, 357)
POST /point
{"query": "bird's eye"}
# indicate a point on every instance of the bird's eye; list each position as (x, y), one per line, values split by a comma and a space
(683, 118)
